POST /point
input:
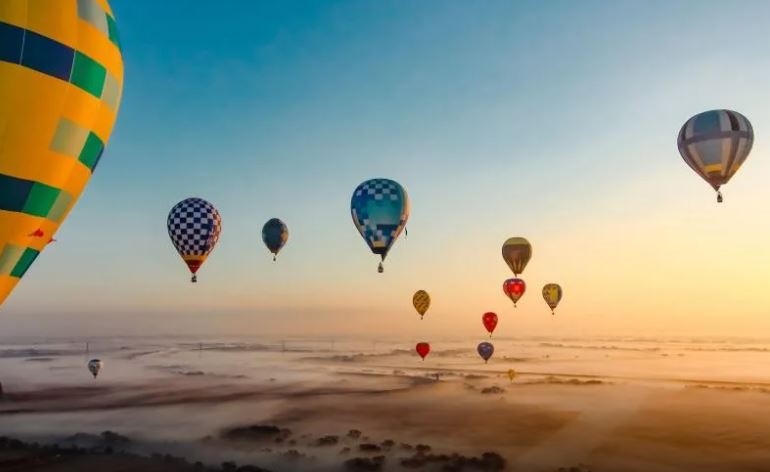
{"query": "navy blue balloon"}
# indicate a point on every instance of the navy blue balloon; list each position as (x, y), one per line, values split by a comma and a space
(486, 350)
(275, 234)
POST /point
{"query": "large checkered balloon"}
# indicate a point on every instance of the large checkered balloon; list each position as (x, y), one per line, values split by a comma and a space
(380, 208)
(194, 226)
(61, 82)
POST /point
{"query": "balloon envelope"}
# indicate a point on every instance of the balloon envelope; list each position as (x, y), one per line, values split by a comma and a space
(715, 144)
(514, 289)
(422, 349)
(552, 294)
(275, 233)
(194, 226)
(485, 350)
(61, 81)
(380, 209)
(511, 374)
(516, 253)
(94, 366)
(421, 302)
(489, 320)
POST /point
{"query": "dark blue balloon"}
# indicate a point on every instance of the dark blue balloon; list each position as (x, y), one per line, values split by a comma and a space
(275, 234)
(486, 350)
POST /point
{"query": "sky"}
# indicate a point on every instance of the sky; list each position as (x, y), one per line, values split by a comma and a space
(556, 121)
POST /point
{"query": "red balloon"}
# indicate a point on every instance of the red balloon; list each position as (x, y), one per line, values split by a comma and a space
(490, 321)
(514, 289)
(423, 349)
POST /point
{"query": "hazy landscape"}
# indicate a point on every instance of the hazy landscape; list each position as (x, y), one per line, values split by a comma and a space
(603, 404)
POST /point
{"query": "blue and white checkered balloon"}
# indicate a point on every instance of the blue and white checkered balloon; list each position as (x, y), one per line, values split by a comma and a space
(194, 226)
(380, 208)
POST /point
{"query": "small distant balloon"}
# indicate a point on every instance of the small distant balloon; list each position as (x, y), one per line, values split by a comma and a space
(489, 320)
(516, 253)
(274, 235)
(715, 144)
(511, 374)
(421, 302)
(552, 294)
(514, 289)
(194, 226)
(94, 366)
(380, 209)
(485, 350)
(422, 349)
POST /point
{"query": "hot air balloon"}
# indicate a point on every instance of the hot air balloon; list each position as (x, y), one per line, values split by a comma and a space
(714, 144)
(552, 294)
(61, 79)
(516, 253)
(94, 366)
(422, 349)
(490, 321)
(194, 226)
(514, 289)
(511, 374)
(421, 302)
(485, 350)
(380, 208)
(275, 234)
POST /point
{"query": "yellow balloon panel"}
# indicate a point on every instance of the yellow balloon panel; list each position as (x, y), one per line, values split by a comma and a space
(61, 80)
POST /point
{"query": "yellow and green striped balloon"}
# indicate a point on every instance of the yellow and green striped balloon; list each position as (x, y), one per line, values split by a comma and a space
(61, 79)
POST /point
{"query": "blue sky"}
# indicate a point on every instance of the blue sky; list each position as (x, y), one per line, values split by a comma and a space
(552, 120)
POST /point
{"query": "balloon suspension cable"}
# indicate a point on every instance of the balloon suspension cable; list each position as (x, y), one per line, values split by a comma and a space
(380, 268)
(719, 196)
(194, 278)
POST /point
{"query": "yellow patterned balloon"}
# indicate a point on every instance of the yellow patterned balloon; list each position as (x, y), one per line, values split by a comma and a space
(421, 302)
(552, 294)
(61, 79)
(516, 253)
